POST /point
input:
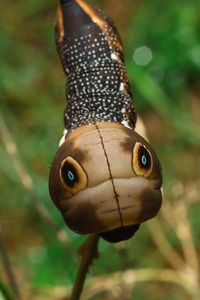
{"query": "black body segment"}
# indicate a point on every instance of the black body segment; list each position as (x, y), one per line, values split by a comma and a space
(90, 49)
(120, 234)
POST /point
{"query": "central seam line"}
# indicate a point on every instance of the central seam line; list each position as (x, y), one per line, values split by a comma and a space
(110, 173)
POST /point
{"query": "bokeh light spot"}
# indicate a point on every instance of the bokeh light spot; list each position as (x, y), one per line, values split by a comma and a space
(142, 56)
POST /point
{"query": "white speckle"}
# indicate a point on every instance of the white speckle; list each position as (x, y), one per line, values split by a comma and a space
(122, 86)
(99, 95)
(63, 137)
(125, 123)
(114, 56)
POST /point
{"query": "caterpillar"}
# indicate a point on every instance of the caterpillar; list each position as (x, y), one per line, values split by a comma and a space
(105, 178)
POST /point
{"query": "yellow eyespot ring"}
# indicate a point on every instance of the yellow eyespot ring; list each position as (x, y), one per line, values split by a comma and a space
(72, 175)
(142, 160)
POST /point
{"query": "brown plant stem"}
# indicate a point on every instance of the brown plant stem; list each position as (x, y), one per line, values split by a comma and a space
(184, 232)
(132, 277)
(8, 270)
(167, 250)
(88, 252)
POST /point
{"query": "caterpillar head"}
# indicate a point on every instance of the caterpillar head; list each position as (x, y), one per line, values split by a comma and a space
(106, 179)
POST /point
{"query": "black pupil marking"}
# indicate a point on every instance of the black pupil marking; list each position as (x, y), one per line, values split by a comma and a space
(144, 158)
(69, 174)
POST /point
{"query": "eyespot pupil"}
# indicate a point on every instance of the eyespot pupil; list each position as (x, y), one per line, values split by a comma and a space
(145, 158)
(69, 174)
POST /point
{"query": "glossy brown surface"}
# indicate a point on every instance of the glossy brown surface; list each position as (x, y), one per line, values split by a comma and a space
(105, 177)
(115, 195)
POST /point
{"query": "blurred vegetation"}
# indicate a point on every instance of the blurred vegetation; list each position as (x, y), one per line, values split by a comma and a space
(162, 49)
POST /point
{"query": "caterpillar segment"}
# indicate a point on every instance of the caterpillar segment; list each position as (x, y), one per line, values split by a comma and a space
(105, 177)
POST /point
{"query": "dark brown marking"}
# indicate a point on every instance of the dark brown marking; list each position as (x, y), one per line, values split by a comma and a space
(127, 145)
(91, 144)
(111, 177)
(69, 148)
(126, 207)
(109, 211)
(80, 155)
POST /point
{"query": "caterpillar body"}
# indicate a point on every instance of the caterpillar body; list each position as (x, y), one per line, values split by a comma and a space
(105, 178)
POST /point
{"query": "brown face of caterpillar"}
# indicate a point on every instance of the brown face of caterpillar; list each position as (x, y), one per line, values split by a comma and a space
(105, 176)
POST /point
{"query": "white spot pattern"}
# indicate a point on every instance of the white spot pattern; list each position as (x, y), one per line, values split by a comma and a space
(97, 87)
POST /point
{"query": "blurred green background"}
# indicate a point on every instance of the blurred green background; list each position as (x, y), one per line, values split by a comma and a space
(162, 49)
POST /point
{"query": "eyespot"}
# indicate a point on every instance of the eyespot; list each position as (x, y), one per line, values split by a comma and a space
(72, 175)
(142, 160)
